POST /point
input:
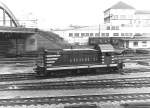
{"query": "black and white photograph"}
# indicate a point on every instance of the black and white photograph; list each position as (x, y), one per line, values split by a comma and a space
(74, 54)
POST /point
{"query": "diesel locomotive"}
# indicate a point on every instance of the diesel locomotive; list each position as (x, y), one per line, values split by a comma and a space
(100, 58)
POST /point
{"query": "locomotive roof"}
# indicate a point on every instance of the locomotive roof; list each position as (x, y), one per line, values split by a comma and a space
(106, 48)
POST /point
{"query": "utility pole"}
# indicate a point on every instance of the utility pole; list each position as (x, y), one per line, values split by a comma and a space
(99, 29)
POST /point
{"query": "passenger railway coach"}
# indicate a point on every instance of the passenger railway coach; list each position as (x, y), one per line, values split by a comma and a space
(99, 58)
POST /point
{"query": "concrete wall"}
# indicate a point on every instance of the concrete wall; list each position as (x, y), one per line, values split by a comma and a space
(31, 43)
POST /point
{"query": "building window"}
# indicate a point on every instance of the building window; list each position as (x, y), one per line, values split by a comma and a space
(102, 34)
(70, 34)
(122, 25)
(113, 28)
(122, 34)
(108, 27)
(107, 34)
(117, 27)
(97, 34)
(76, 34)
(135, 43)
(115, 34)
(87, 34)
(130, 34)
(126, 34)
(82, 34)
(91, 34)
(144, 42)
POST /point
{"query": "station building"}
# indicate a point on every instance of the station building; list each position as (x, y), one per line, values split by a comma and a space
(120, 20)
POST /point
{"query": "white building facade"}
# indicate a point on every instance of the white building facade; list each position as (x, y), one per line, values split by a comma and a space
(120, 20)
(78, 35)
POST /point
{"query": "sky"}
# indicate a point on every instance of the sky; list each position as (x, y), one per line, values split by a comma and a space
(51, 14)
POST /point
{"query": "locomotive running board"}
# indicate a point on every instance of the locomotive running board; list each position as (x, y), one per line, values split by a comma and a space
(52, 56)
(79, 67)
(70, 67)
(111, 65)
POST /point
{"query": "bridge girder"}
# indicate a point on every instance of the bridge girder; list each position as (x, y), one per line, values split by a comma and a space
(7, 11)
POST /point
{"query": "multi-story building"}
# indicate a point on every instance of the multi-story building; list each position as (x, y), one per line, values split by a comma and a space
(78, 34)
(122, 15)
(125, 18)
(119, 14)
(120, 20)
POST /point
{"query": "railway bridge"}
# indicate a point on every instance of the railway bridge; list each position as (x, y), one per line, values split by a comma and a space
(12, 35)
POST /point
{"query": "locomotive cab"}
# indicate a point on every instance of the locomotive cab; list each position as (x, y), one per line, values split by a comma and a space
(108, 57)
(107, 52)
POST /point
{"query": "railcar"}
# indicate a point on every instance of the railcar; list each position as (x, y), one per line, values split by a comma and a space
(99, 58)
(99, 40)
(115, 41)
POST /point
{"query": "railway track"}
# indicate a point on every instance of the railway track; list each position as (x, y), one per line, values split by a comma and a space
(133, 70)
(79, 84)
(37, 101)
(33, 76)
(17, 77)
(133, 58)
(134, 55)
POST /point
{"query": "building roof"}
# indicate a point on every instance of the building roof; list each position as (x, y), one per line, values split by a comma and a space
(142, 12)
(94, 27)
(121, 5)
